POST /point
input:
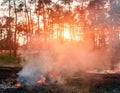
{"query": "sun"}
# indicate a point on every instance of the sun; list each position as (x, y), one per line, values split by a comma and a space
(22, 40)
(67, 34)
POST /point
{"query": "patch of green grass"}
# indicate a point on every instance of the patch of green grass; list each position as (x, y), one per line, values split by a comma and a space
(6, 59)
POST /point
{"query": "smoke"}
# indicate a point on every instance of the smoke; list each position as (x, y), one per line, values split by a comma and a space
(61, 60)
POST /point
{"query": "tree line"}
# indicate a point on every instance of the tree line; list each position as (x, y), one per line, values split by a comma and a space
(95, 20)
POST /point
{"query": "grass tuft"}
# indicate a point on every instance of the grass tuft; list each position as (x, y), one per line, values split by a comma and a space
(6, 60)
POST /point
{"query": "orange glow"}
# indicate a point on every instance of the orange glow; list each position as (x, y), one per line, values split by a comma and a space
(52, 75)
(42, 80)
(21, 41)
(18, 85)
(67, 34)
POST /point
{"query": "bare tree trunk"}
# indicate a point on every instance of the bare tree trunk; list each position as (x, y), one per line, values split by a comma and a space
(28, 21)
(31, 24)
(38, 23)
(1, 40)
(38, 18)
(10, 33)
(44, 21)
(15, 47)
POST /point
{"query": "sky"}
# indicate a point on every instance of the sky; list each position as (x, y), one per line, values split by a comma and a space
(4, 7)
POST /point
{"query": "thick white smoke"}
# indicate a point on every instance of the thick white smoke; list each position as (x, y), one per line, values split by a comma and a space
(62, 59)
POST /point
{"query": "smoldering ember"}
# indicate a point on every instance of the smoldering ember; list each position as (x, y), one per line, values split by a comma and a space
(59, 46)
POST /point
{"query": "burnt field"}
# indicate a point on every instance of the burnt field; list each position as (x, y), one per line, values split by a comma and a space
(53, 88)
(80, 83)
(84, 88)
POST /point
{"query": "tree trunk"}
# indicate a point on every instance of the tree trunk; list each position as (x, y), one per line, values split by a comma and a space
(44, 21)
(15, 47)
(10, 33)
(28, 21)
